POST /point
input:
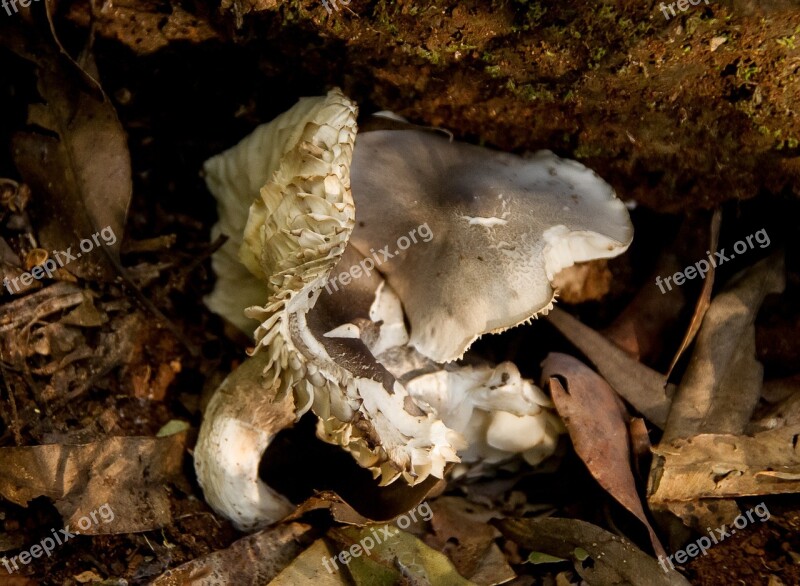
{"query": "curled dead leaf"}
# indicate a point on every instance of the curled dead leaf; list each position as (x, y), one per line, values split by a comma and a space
(597, 423)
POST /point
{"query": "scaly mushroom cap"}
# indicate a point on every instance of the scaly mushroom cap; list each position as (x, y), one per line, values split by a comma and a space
(284, 200)
(502, 227)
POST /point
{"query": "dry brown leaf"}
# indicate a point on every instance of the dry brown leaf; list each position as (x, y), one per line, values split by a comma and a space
(378, 503)
(86, 315)
(783, 414)
(641, 386)
(722, 385)
(638, 329)
(597, 423)
(252, 561)
(75, 159)
(307, 569)
(704, 300)
(722, 466)
(614, 561)
(339, 510)
(468, 541)
(493, 569)
(127, 473)
(396, 557)
(583, 281)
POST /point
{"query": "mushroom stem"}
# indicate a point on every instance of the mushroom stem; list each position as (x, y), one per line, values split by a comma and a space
(242, 418)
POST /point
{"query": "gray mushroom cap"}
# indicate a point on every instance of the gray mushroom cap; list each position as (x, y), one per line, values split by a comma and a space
(502, 226)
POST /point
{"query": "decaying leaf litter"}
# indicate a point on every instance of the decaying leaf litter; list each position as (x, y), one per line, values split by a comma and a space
(93, 376)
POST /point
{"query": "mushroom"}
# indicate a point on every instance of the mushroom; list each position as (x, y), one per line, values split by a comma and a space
(501, 227)
(504, 225)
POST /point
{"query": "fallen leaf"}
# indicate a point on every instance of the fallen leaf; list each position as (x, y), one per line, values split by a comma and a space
(782, 414)
(583, 281)
(612, 560)
(75, 159)
(460, 531)
(537, 557)
(597, 423)
(396, 556)
(704, 300)
(126, 473)
(641, 386)
(307, 569)
(640, 327)
(723, 465)
(339, 510)
(252, 561)
(640, 438)
(722, 384)
(87, 576)
(86, 314)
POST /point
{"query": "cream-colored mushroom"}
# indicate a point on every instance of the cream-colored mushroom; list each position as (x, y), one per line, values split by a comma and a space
(502, 227)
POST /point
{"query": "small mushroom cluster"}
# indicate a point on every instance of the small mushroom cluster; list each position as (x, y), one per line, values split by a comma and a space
(378, 360)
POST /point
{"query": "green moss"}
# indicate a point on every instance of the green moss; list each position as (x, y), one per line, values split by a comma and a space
(463, 47)
(531, 93)
(596, 56)
(588, 151)
(747, 72)
(432, 57)
(382, 15)
(606, 12)
(532, 14)
(625, 25)
(691, 24)
(788, 143)
(493, 70)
